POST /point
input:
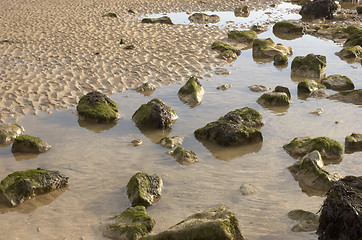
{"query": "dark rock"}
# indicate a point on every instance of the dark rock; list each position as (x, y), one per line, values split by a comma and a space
(111, 15)
(280, 60)
(350, 52)
(283, 89)
(204, 18)
(310, 66)
(353, 143)
(184, 156)
(224, 47)
(130, 47)
(8, 132)
(164, 20)
(319, 9)
(29, 144)
(338, 83)
(246, 36)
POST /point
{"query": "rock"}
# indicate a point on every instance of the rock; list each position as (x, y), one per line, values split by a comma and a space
(319, 93)
(310, 66)
(8, 132)
(184, 157)
(328, 148)
(354, 38)
(310, 175)
(235, 128)
(29, 144)
(131, 11)
(247, 189)
(171, 142)
(319, 9)
(220, 46)
(22, 185)
(144, 189)
(246, 36)
(259, 29)
(203, 18)
(341, 211)
(274, 99)
(338, 83)
(111, 15)
(146, 88)
(136, 142)
(353, 143)
(266, 48)
(287, 30)
(164, 20)
(308, 221)
(212, 224)
(224, 87)
(130, 47)
(242, 11)
(308, 86)
(154, 114)
(229, 55)
(132, 224)
(259, 88)
(350, 52)
(318, 111)
(95, 106)
(349, 96)
(280, 60)
(122, 41)
(359, 9)
(192, 92)
(283, 89)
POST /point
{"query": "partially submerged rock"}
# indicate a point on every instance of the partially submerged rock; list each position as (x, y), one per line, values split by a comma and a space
(341, 211)
(310, 66)
(212, 224)
(338, 82)
(22, 185)
(8, 132)
(229, 55)
(154, 114)
(146, 88)
(308, 221)
(171, 142)
(287, 30)
(353, 143)
(246, 36)
(164, 20)
(328, 148)
(283, 89)
(350, 52)
(280, 60)
(319, 9)
(348, 96)
(266, 48)
(246, 116)
(242, 11)
(274, 99)
(95, 106)
(222, 47)
(29, 144)
(144, 189)
(132, 224)
(204, 18)
(354, 38)
(259, 88)
(310, 175)
(184, 156)
(224, 87)
(192, 92)
(308, 86)
(247, 189)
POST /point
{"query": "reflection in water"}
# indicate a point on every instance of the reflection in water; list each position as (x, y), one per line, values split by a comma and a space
(96, 127)
(25, 156)
(286, 36)
(277, 110)
(155, 135)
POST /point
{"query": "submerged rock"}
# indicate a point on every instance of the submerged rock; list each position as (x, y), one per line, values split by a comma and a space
(310, 66)
(287, 30)
(341, 211)
(348, 96)
(319, 9)
(22, 185)
(328, 148)
(247, 189)
(338, 83)
(246, 36)
(266, 48)
(144, 189)
(353, 143)
(8, 132)
(204, 18)
(184, 157)
(29, 144)
(154, 114)
(192, 92)
(259, 88)
(132, 224)
(212, 224)
(274, 99)
(308, 86)
(164, 20)
(171, 142)
(95, 106)
(308, 221)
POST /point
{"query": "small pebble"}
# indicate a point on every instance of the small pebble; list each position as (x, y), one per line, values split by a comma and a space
(318, 111)
(137, 142)
(224, 87)
(336, 122)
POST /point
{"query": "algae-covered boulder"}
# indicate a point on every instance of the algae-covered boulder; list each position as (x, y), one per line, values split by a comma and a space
(192, 92)
(184, 156)
(287, 30)
(308, 86)
(311, 177)
(266, 48)
(171, 142)
(308, 221)
(212, 224)
(242, 11)
(246, 36)
(95, 106)
(144, 189)
(310, 66)
(274, 99)
(22, 185)
(350, 52)
(246, 116)
(280, 60)
(132, 224)
(8, 132)
(341, 213)
(204, 18)
(222, 47)
(328, 148)
(164, 20)
(338, 82)
(283, 89)
(353, 143)
(29, 144)
(319, 9)
(154, 114)
(348, 96)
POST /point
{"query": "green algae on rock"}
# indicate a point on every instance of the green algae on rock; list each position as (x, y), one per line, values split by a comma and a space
(308, 86)
(8, 132)
(22, 185)
(348, 96)
(212, 224)
(280, 60)
(29, 144)
(312, 66)
(274, 99)
(164, 20)
(144, 189)
(350, 52)
(224, 46)
(132, 224)
(184, 156)
(191, 92)
(284, 90)
(95, 106)
(266, 48)
(204, 18)
(246, 116)
(287, 30)
(353, 143)
(338, 82)
(246, 36)
(171, 142)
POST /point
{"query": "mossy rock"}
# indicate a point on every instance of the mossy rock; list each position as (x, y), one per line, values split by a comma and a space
(350, 52)
(191, 92)
(267, 49)
(259, 29)
(212, 224)
(280, 60)
(22, 185)
(97, 107)
(284, 90)
(338, 82)
(242, 11)
(348, 96)
(327, 147)
(184, 156)
(204, 18)
(171, 142)
(308, 86)
(154, 114)
(111, 15)
(353, 143)
(164, 20)
(312, 66)
(355, 38)
(245, 116)
(8, 132)
(308, 221)
(229, 55)
(274, 99)
(287, 30)
(246, 36)
(224, 47)
(144, 189)
(29, 144)
(132, 224)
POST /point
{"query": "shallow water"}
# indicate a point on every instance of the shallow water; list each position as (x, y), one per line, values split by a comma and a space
(99, 159)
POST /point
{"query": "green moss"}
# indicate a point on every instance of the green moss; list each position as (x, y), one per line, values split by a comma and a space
(191, 87)
(287, 27)
(139, 184)
(325, 144)
(354, 40)
(224, 46)
(274, 99)
(228, 54)
(32, 142)
(183, 152)
(351, 52)
(310, 62)
(283, 89)
(164, 19)
(311, 166)
(247, 36)
(263, 43)
(280, 59)
(308, 86)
